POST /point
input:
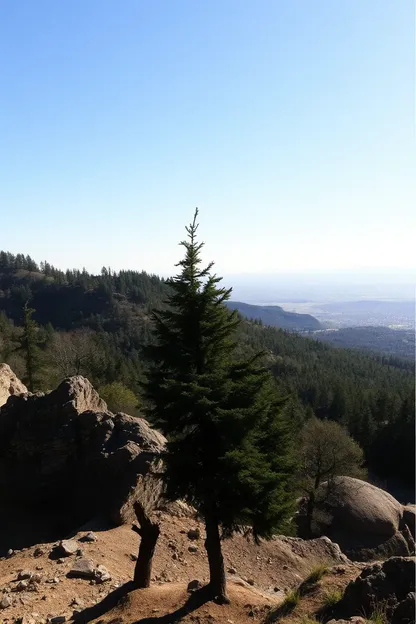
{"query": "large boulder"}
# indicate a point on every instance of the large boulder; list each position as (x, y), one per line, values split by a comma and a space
(66, 451)
(389, 586)
(409, 519)
(9, 384)
(364, 520)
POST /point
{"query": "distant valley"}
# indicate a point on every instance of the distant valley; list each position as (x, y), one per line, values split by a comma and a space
(337, 314)
(354, 325)
(275, 316)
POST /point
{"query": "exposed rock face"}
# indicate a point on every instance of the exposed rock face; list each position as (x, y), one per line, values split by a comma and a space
(364, 520)
(67, 451)
(389, 584)
(409, 518)
(9, 384)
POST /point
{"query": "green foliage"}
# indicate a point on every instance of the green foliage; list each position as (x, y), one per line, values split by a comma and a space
(326, 451)
(332, 597)
(288, 605)
(119, 398)
(228, 449)
(372, 396)
(379, 614)
(291, 600)
(316, 573)
(29, 345)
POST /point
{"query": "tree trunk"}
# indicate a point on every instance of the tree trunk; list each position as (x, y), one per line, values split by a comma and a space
(149, 532)
(217, 581)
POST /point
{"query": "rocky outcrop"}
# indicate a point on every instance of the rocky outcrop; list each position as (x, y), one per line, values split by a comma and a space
(387, 586)
(409, 519)
(66, 451)
(366, 521)
(9, 384)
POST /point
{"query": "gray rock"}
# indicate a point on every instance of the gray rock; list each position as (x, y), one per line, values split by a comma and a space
(409, 518)
(192, 548)
(404, 613)
(21, 586)
(9, 384)
(101, 574)
(67, 548)
(82, 568)
(194, 585)
(38, 552)
(24, 574)
(363, 519)
(89, 537)
(5, 602)
(194, 534)
(381, 583)
(92, 462)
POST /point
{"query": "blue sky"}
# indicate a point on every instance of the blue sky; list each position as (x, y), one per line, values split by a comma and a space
(290, 123)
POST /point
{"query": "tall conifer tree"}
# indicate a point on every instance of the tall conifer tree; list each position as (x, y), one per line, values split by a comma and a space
(228, 451)
(29, 344)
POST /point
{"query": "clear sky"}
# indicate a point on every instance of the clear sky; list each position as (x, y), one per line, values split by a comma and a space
(290, 123)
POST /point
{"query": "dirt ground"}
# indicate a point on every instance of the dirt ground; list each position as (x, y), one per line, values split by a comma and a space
(259, 575)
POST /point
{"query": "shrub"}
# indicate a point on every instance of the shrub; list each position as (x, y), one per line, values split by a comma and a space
(332, 597)
(119, 398)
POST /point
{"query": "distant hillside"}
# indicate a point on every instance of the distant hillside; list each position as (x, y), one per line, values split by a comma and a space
(99, 326)
(396, 342)
(275, 316)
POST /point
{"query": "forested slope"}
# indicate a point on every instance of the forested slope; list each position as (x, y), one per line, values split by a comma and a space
(97, 325)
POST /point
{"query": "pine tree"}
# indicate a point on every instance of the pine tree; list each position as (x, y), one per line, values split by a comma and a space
(228, 451)
(29, 344)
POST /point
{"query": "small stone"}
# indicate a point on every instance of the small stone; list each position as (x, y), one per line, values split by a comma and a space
(174, 555)
(36, 578)
(193, 549)
(76, 602)
(61, 560)
(102, 574)
(38, 552)
(232, 571)
(133, 557)
(5, 602)
(194, 534)
(10, 552)
(250, 581)
(194, 585)
(89, 537)
(82, 568)
(24, 574)
(21, 586)
(58, 619)
(68, 547)
(285, 567)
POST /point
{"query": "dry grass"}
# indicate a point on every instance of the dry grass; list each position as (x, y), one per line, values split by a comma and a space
(379, 614)
(332, 597)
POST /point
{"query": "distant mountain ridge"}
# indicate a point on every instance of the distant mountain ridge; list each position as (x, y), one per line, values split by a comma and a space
(275, 316)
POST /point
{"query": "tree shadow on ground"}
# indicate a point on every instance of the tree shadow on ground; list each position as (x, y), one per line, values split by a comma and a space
(116, 598)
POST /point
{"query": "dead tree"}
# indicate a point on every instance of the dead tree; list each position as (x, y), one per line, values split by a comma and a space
(149, 532)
